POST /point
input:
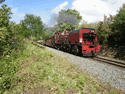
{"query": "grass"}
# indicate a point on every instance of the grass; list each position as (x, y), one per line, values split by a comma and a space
(41, 71)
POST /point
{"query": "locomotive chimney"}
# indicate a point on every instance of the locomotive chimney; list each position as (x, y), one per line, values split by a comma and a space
(73, 28)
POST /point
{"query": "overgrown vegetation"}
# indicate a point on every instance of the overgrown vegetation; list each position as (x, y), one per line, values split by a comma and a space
(113, 35)
(9, 65)
(40, 71)
(34, 26)
(12, 40)
(118, 29)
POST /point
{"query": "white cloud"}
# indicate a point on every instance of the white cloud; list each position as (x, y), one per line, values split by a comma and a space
(14, 10)
(58, 8)
(44, 15)
(43, 21)
(94, 10)
(21, 14)
(17, 16)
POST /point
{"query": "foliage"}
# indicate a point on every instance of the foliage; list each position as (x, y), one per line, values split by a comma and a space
(34, 25)
(85, 24)
(5, 32)
(9, 65)
(66, 26)
(41, 71)
(70, 11)
(1, 1)
(24, 31)
(8, 32)
(11, 47)
(104, 29)
(15, 28)
(117, 36)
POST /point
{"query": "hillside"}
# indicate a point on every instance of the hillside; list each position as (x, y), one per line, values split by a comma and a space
(41, 71)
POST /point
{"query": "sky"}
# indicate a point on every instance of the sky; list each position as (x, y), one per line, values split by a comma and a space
(90, 10)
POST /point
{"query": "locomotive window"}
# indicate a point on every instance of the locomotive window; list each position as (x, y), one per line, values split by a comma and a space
(89, 35)
(92, 30)
(85, 34)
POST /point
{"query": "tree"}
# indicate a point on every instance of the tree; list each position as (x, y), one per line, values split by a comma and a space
(118, 28)
(1, 1)
(15, 28)
(104, 29)
(5, 32)
(85, 24)
(34, 24)
(10, 46)
(70, 11)
(24, 31)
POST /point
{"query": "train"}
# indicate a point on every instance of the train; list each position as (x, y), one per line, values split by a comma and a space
(79, 42)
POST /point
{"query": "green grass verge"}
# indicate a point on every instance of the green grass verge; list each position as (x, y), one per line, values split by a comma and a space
(41, 71)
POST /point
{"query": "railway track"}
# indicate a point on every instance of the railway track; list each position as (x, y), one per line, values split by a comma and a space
(117, 63)
(110, 61)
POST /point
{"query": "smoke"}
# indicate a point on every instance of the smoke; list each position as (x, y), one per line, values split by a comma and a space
(52, 21)
(52, 24)
(64, 17)
(58, 19)
(51, 30)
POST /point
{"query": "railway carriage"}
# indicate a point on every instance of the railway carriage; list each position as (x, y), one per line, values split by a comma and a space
(48, 42)
(56, 43)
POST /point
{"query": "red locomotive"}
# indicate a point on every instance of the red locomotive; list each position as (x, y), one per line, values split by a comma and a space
(82, 41)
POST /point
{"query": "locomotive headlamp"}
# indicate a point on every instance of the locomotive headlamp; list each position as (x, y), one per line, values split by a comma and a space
(92, 30)
(80, 40)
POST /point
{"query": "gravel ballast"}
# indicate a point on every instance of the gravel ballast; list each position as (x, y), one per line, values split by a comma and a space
(105, 72)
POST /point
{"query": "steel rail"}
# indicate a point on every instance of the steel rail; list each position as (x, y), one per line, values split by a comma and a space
(111, 61)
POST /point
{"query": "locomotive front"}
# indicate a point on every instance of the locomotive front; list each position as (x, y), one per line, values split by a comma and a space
(88, 41)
